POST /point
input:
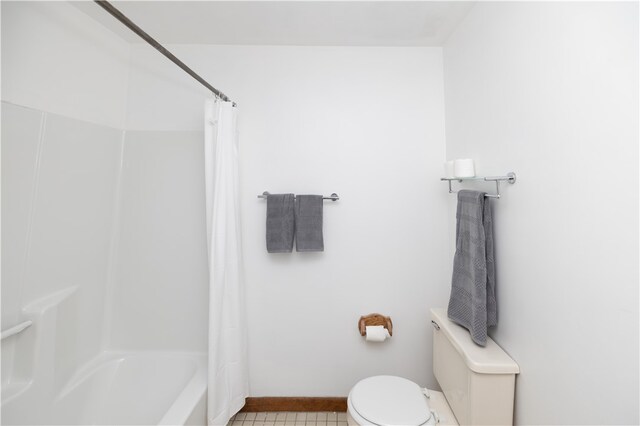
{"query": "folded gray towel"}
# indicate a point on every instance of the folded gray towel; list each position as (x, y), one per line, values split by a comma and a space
(473, 298)
(309, 223)
(280, 223)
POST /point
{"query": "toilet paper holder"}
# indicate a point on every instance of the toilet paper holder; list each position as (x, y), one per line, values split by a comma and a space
(374, 319)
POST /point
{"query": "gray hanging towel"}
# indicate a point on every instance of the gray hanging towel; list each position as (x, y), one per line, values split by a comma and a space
(309, 223)
(473, 297)
(280, 223)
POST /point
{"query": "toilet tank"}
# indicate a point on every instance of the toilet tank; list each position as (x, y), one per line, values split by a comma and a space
(478, 382)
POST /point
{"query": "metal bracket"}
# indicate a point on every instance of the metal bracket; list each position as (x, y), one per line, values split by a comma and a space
(509, 178)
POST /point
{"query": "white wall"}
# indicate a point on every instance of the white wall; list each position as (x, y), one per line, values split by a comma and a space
(57, 59)
(366, 123)
(550, 91)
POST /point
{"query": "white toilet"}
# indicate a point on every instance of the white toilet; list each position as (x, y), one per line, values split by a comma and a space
(477, 384)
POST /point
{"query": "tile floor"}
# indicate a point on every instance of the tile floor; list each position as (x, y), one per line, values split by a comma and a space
(289, 419)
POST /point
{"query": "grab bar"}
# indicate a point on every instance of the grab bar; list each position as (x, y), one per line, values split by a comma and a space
(16, 329)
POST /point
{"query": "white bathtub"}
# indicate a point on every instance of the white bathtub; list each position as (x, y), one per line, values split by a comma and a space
(146, 388)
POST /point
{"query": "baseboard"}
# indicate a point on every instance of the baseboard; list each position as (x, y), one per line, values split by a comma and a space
(286, 403)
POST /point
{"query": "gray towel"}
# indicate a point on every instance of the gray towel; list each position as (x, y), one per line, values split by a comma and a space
(473, 297)
(280, 223)
(309, 223)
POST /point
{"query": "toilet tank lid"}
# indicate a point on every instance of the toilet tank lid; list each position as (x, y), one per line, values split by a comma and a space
(490, 359)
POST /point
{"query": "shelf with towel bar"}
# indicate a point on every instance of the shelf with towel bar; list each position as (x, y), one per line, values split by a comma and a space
(332, 197)
(16, 329)
(509, 177)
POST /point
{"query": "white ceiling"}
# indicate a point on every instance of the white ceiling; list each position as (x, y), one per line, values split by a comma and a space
(316, 23)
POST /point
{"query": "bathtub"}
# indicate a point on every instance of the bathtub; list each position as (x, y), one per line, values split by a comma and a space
(145, 388)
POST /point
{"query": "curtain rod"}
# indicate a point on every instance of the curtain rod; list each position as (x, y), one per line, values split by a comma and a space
(160, 48)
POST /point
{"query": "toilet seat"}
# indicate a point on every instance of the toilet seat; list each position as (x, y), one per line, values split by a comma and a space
(389, 400)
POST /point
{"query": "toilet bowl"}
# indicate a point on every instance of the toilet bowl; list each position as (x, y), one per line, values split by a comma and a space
(478, 385)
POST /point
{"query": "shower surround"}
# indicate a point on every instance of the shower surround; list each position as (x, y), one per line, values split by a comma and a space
(75, 196)
(102, 243)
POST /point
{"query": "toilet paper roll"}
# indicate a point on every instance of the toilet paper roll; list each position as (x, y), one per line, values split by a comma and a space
(448, 169)
(377, 333)
(464, 167)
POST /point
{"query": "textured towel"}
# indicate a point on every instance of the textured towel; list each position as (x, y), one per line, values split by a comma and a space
(309, 223)
(473, 298)
(280, 223)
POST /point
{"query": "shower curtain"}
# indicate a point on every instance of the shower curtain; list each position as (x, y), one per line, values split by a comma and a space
(228, 371)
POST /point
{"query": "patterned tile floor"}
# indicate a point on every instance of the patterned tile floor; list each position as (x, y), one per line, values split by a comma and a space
(289, 419)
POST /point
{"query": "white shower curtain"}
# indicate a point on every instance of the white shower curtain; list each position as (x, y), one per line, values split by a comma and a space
(228, 370)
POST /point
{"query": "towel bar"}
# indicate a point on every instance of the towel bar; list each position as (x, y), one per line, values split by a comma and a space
(332, 197)
(509, 177)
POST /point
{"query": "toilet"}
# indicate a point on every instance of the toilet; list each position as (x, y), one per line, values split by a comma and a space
(478, 385)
